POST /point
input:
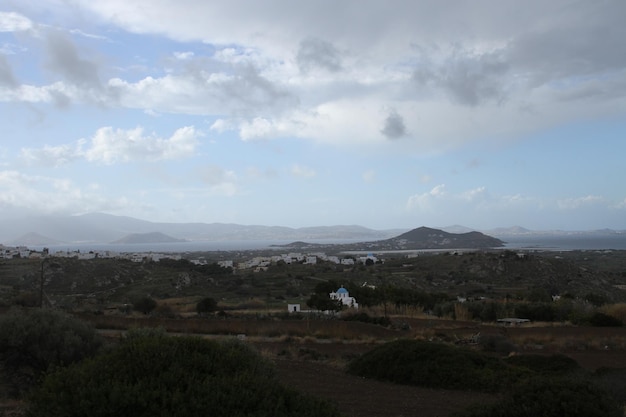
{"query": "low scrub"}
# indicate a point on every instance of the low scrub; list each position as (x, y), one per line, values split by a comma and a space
(32, 340)
(436, 365)
(551, 397)
(155, 375)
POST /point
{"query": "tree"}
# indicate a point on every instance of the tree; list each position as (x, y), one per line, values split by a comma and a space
(206, 305)
(145, 304)
(31, 341)
(156, 375)
(323, 302)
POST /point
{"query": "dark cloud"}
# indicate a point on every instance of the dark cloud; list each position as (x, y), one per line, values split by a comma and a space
(250, 92)
(6, 74)
(317, 53)
(579, 49)
(64, 59)
(578, 42)
(394, 127)
(470, 79)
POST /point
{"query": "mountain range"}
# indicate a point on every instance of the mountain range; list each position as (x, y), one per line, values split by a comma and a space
(105, 228)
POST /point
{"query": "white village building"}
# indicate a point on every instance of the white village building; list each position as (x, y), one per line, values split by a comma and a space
(344, 296)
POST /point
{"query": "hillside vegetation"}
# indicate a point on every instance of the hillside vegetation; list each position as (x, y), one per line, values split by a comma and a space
(530, 385)
(148, 375)
(487, 280)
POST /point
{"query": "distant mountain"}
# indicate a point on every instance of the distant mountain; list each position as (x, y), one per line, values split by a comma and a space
(33, 239)
(427, 238)
(416, 239)
(153, 237)
(99, 228)
(456, 229)
(105, 228)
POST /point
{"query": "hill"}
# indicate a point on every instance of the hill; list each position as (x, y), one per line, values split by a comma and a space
(422, 238)
(104, 228)
(153, 237)
(427, 238)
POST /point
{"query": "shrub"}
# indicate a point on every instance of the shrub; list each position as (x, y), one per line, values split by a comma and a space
(173, 376)
(615, 310)
(551, 397)
(144, 305)
(435, 365)
(206, 305)
(33, 340)
(604, 320)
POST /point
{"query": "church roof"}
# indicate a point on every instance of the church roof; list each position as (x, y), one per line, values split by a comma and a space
(342, 290)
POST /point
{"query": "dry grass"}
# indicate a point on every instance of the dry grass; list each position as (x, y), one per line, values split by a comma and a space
(615, 310)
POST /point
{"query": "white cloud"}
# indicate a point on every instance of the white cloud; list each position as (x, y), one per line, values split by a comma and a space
(52, 155)
(426, 201)
(284, 70)
(240, 91)
(14, 22)
(184, 55)
(578, 202)
(110, 146)
(477, 194)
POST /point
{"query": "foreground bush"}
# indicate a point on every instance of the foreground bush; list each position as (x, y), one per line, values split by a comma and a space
(436, 365)
(547, 397)
(156, 375)
(32, 340)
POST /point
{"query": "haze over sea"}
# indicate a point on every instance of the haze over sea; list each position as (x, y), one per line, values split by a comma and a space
(525, 242)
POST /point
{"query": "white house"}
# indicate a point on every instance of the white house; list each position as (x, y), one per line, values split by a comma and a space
(344, 296)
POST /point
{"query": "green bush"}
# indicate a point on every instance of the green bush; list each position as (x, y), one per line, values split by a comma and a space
(144, 305)
(32, 340)
(206, 305)
(435, 365)
(172, 376)
(548, 397)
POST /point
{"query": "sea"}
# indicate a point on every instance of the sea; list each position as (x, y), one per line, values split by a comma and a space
(514, 242)
(615, 241)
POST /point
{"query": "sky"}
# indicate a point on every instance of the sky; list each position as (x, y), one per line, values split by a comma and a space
(385, 114)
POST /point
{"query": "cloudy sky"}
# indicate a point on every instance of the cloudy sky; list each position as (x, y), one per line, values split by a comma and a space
(386, 114)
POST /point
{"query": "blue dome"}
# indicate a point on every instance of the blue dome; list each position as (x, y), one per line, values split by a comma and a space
(342, 290)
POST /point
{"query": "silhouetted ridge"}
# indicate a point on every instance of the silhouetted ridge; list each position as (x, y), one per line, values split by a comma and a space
(428, 238)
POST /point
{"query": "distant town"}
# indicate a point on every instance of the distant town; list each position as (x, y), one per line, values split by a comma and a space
(256, 263)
